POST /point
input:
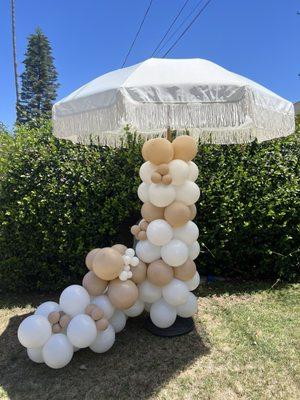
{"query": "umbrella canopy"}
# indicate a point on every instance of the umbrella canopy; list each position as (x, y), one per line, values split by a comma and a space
(213, 104)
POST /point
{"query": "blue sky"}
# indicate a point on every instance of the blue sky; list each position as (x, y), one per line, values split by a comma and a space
(258, 39)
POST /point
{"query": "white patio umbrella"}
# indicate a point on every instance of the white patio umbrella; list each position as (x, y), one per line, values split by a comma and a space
(213, 104)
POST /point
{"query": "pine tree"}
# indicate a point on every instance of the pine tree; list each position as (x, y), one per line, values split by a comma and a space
(38, 81)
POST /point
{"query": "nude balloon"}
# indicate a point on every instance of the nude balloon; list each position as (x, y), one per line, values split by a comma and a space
(159, 273)
(138, 272)
(150, 212)
(108, 264)
(94, 285)
(158, 151)
(161, 195)
(120, 248)
(185, 271)
(90, 257)
(122, 294)
(177, 214)
(185, 147)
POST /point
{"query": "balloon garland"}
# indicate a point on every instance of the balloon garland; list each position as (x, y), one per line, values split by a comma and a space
(158, 276)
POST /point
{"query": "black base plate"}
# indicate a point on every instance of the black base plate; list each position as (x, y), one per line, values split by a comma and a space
(180, 327)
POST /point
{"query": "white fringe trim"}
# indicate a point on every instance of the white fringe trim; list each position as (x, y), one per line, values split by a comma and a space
(220, 123)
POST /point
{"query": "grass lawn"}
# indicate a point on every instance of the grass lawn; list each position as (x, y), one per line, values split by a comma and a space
(246, 346)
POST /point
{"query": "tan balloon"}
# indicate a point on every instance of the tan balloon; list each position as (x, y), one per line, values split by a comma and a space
(158, 151)
(163, 169)
(90, 257)
(166, 179)
(186, 271)
(185, 148)
(177, 214)
(94, 285)
(102, 324)
(150, 212)
(122, 294)
(120, 248)
(97, 314)
(139, 272)
(159, 273)
(193, 211)
(135, 229)
(142, 235)
(53, 317)
(64, 321)
(56, 328)
(108, 264)
(88, 310)
(143, 225)
(145, 149)
(156, 177)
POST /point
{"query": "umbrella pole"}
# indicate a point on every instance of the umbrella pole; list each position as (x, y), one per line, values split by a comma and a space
(169, 134)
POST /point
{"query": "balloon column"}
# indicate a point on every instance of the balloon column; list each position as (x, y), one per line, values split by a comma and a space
(158, 276)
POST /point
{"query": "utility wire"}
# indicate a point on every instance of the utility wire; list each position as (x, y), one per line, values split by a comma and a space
(188, 27)
(170, 27)
(179, 27)
(137, 34)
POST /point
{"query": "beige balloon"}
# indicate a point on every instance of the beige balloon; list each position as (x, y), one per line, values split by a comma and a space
(156, 177)
(177, 214)
(142, 235)
(185, 148)
(108, 264)
(186, 271)
(193, 211)
(64, 321)
(166, 179)
(94, 285)
(158, 151)
(163, 169)
(159, 273)
(90, 257)
(102, 324)
(143, 225)
(139, 272)
(135, 229)
(56, 328)
(97, 314)
(150, 212)
(122, 294)
(88, 310)
(53, 317)
(120, 248)
(144, 149)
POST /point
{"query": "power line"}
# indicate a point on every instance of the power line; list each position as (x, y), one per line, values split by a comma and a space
(182, 23)
(188, 27)
(170, 27)
(137, 34)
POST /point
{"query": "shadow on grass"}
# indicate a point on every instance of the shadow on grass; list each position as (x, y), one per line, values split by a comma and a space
(136, 367)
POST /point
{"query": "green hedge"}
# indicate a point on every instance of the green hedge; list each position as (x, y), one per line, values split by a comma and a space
(58, 200)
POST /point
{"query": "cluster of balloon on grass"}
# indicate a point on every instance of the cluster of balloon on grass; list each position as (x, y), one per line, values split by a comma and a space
(157, 276)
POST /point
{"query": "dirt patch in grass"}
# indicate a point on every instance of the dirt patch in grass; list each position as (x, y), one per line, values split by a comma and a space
(245, 346)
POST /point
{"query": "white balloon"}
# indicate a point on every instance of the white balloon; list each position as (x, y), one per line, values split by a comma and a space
(188, 193)
(130, 253)
(147, 251)
(193, 283)
(175, 293)
(136, 309)
(162, 314)
(134, 261)
(58, 351)
(36, 354)
(188, 233)
(104, 340)
(143, 192)
(161, 195)
(159, 232)
(189, 308)
(118, 321)
(193, 171)
(194, 250)
(105, 305)
(174, 253)
(82, 331)
(149, 293)
(179, 171)
(34, 331)
(46, 308)
(146, 171)
(74, 299)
